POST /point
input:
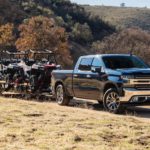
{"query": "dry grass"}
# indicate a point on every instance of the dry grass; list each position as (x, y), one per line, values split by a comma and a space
(122, 17)
(47, 126)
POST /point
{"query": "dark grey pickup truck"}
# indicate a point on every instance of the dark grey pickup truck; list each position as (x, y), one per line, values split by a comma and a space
(113, 79)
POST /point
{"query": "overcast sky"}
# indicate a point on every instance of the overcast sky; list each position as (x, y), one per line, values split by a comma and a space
(132, 3)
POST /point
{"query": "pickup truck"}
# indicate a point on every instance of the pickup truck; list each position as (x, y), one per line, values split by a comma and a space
(111, 79)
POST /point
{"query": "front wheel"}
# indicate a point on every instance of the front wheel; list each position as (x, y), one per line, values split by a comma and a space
(111, 101)
(61, 97)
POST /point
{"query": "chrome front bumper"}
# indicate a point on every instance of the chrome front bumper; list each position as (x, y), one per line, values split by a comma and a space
(132, 95)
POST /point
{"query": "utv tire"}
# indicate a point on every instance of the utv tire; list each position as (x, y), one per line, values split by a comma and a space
(111, 101)
(61, 97)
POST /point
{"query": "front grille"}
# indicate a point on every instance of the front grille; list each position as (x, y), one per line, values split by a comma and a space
(145, 76)
(142, 82)
(143, 86)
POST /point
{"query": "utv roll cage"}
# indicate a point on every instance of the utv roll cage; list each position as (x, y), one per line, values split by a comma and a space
(7, 57)
(13, 57)
(46, 52)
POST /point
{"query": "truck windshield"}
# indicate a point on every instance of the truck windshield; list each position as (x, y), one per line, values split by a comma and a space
(123, 62)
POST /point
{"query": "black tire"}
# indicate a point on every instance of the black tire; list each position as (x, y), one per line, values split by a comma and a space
(100, 102)
(8, 81)
(33, 83)
(61, 97)
(1, 89)
(111, 101)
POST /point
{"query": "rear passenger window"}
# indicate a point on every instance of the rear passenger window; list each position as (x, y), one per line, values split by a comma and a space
(97, 63)
(85, 64)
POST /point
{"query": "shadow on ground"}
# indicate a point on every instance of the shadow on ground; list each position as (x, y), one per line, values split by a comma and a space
(140, 111)
(143, 112)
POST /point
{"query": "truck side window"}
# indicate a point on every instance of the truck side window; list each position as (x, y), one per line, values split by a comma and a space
(97, 63)
(85, 64)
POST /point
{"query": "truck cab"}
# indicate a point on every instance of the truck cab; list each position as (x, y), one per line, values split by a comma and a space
(113, 79)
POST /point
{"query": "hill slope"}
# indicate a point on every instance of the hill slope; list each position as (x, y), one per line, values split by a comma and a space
(122, 17)
(45, 126)
(82, 30)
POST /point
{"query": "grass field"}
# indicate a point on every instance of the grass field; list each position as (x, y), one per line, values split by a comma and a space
(28, 125)
(122, 17)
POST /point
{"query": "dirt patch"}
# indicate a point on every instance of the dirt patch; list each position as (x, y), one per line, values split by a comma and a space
(33, 115)
(77, 138)
(141, 140)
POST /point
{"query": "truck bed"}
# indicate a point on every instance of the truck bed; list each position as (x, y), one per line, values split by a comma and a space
(62, 74)
(65, 77)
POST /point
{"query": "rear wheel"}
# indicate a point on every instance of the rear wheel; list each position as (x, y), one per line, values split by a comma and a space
(8, 82)
(1, 89)
(100, 102)
(111, 101)
(61, 97)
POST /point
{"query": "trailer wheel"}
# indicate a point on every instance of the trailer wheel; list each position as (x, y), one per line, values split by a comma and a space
(111, 101)
(61, 97)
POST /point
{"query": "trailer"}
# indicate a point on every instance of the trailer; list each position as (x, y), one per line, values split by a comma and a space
(27, 73)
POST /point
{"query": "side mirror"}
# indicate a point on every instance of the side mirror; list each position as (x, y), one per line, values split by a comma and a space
(59, 67)
(96, 69)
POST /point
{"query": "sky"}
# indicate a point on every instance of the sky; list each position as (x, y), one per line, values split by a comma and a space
(130, 3)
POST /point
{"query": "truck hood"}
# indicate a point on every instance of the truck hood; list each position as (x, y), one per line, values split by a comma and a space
(133, 71)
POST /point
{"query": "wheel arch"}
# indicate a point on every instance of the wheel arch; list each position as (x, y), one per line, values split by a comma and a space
(63, 84)
(109, 85)
(58, 83)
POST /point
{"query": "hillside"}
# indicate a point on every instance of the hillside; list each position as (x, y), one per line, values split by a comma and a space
(81, 29)
(85, 28)
(122, 17)
(46, 126)
(130, 40)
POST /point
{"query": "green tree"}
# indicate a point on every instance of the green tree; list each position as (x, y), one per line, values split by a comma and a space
(82, 33)
(10, 12)
(122, 5)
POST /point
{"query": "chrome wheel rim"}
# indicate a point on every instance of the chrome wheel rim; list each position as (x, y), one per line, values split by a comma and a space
(60, 95)
(113, 101)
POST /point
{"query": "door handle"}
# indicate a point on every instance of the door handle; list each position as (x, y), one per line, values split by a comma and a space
(75, 75)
